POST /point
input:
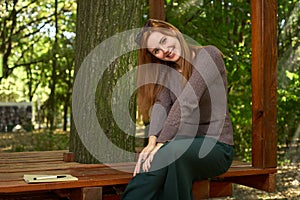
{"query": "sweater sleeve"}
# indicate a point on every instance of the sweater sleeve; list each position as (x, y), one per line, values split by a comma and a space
(184, 114)
(159, 112)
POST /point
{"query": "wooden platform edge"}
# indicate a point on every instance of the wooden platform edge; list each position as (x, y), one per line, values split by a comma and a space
(220, 186)
(265, 182)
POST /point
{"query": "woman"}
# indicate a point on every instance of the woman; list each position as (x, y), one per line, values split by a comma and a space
(183, 87)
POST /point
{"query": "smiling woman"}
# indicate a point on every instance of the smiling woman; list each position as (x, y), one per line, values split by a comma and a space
(183, 94)
(164, 47)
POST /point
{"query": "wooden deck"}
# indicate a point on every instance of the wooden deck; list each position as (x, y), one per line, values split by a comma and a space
(14, 165)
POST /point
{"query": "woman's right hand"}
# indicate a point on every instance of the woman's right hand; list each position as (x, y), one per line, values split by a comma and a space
(144, 154)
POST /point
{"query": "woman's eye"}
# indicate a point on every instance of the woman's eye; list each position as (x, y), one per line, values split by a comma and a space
(164, 40)
(155, 51)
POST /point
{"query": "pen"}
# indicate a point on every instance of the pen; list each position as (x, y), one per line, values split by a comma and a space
(47, 177)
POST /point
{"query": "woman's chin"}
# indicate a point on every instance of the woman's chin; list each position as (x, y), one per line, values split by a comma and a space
(175, 58)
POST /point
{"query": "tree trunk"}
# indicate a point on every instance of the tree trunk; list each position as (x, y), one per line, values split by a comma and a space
(96, 22)
(52, 84)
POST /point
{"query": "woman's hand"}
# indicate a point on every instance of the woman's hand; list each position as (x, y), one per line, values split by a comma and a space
(146, 156)
(147, 164)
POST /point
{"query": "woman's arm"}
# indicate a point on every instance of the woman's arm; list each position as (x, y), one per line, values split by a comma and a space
(158, 116)
(184, 113)
(159, 112)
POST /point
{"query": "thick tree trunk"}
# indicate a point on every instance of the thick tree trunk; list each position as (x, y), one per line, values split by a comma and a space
(97, 21)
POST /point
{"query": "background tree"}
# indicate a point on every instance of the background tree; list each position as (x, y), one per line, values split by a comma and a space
(288, 72)
(97, 21)
(36, 46)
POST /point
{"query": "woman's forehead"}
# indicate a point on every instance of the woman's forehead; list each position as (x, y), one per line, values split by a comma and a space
(154, 39)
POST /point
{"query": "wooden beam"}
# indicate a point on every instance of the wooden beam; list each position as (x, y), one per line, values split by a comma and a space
(220, 189)
(87, 193)
(201, 189)
(157, 9)
(265, 182)
(264, 83)
(204, 189)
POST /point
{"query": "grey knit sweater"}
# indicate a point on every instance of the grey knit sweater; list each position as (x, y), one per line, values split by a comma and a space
(198, 107)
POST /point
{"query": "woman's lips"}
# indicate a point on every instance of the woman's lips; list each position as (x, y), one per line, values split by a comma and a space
(171, 54)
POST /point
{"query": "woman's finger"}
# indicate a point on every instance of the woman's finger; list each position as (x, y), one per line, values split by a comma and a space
(146, 165)
(137, 169)
(142, 158)
(145, 159)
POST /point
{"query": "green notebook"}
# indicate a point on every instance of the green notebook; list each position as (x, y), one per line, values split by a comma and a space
(39, 178)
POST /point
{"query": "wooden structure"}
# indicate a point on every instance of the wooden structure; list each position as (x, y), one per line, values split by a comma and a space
(97, 181)
(264, 83)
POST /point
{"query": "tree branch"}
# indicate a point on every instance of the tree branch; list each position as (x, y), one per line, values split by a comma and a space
(33, 22)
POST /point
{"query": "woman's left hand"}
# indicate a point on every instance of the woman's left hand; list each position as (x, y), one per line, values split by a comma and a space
(147, 163)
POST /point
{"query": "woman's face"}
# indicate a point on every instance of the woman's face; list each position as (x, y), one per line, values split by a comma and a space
(164, 47)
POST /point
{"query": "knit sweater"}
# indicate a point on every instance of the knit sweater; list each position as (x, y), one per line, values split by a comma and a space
(198, 107)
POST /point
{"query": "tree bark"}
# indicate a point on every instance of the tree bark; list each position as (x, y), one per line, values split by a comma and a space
(97, 21)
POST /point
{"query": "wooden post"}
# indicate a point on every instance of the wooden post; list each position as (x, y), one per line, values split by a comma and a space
(264, 83)
(69, 157)
(87, 193)
(157, 9)
(201, 189)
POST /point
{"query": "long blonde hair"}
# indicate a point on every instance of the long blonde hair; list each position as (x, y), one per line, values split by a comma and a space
(146, 94)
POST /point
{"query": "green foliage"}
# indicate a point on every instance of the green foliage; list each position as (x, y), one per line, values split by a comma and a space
(37, 43)
(288, 72)
(288, 112)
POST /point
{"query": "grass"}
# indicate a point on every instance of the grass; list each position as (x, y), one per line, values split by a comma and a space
(42, 140)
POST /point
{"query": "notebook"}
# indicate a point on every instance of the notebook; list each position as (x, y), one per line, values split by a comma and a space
(39, 178)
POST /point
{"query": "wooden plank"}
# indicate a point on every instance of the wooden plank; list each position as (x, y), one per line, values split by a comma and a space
(201, 189)
(32, 154)
(12, 159)
(40, 195)
(69, 157)
(266, 182)
(264, 76)
(87, 193)
(37, 167)
(21, 167)
(25, 163)
(220, 189)
(99, 181)
(78, 172)
(247, 172)
(33, 160)
(205, 189)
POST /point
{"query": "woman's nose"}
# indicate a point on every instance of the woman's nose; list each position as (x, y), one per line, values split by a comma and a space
(164, 49)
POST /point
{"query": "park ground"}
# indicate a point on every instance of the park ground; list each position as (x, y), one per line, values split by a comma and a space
(288, 176)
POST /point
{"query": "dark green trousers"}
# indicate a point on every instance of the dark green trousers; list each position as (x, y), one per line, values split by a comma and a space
(176, 165)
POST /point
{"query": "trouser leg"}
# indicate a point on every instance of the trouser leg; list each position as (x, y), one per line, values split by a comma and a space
(184, 165)
(145, 186)
(175, 167)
